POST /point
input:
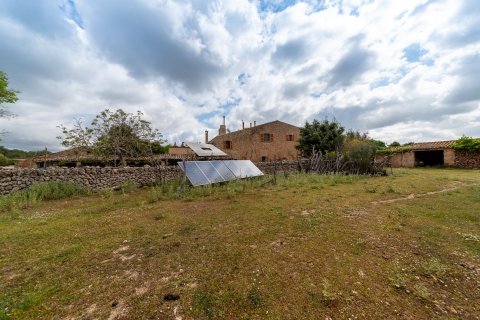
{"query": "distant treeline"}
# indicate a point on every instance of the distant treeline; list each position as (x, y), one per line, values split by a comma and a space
(20, 154)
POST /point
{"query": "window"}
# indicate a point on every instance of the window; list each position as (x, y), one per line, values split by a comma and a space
(227, 144)
(266, 137)
(290, 137)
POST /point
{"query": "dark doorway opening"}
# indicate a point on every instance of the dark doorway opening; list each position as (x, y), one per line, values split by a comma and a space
(429, 158)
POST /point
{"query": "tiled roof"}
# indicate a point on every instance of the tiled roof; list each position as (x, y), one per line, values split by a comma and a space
(433, 145)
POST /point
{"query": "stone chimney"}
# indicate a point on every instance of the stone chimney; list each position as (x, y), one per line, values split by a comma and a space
(243, 125)
(206, 136)
(223, 128)
(254, 123)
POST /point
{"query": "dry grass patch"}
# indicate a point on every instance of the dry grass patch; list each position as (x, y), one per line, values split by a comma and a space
(307, 247)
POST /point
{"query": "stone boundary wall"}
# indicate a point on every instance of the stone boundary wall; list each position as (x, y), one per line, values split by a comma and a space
(467, 159)
(99, 178)
(93, 177)
(290, 166)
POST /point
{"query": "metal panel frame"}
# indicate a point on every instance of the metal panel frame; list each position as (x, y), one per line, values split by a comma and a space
(207, 172)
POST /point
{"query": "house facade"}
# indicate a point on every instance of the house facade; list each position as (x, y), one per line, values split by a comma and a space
(270, 141)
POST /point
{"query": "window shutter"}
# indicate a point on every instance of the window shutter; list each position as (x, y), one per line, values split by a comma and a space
(261, 137)
(271, 137)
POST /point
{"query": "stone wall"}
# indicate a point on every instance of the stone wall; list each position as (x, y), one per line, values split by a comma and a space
(290, 166)
(397, 160)
(98, 178)
(467, 159)
(449, 157)
(93, 177)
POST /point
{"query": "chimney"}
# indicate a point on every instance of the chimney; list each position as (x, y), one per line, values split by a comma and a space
(223, 128)
(254, 123)
(206, 136)
(243, 125)
(250, 124)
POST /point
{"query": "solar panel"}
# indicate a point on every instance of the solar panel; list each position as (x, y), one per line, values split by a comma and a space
(224, 170)
(207, 172)
(205, 150)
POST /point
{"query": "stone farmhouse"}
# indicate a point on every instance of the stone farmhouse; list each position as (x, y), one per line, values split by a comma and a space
(270, 141)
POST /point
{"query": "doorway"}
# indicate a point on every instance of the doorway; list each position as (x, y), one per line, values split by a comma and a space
(429, 158)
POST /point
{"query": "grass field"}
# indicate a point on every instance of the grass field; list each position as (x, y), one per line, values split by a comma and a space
(405, 246)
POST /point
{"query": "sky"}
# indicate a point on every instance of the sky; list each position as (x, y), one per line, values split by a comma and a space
(402, 70)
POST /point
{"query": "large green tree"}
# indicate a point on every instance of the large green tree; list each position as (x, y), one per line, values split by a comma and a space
(114, 133)
(6, 95)
(324, 136)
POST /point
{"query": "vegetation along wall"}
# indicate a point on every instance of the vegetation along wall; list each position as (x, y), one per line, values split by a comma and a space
(99, 178)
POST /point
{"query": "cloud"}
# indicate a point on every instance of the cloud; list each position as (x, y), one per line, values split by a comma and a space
(401, 70)
(352, 65)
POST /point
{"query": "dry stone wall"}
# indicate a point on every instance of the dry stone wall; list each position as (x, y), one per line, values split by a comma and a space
(290, 166)
(93, 177)
(467, 159)
(99, 178)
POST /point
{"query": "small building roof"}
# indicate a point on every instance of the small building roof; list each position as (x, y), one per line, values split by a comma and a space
(205, 149)
(434, 145)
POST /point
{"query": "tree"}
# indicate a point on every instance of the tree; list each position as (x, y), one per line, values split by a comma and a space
(6, 95)
(378, 144)
(322, 136)
(395, 144)
(114, 133)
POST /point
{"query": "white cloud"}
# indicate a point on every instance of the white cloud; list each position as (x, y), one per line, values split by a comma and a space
(187, 63)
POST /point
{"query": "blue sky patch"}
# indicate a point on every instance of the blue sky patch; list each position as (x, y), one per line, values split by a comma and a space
(276, 5)
(71, 11)
(414, 52)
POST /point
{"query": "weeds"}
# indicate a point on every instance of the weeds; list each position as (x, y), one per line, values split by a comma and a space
(204, 304)
(421, 291)
(398, 279)
(40, 192)
(433, 268)
(329, 294)
(254, 297)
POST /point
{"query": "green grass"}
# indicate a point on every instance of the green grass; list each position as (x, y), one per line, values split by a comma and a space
(305, 247)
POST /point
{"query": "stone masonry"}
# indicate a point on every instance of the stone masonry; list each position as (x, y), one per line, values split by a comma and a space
(99, 178)
(270, 141)
(467, 159)
(92, 177)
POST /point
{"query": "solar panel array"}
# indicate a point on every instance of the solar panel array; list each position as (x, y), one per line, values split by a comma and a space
(206, 172)
(205, 150)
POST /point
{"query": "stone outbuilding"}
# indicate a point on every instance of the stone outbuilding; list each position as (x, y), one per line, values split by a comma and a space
(436, 153)
(270, 141)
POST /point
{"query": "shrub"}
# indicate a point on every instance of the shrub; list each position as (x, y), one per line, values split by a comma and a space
(4, 161)
(362, 152)
(467, 143)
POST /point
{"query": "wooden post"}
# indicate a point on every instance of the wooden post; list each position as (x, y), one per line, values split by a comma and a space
(184, 178)
(45, 159)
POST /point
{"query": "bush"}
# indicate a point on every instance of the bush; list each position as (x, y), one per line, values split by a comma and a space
(362, 152)
(4, 161)
(467, 143)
